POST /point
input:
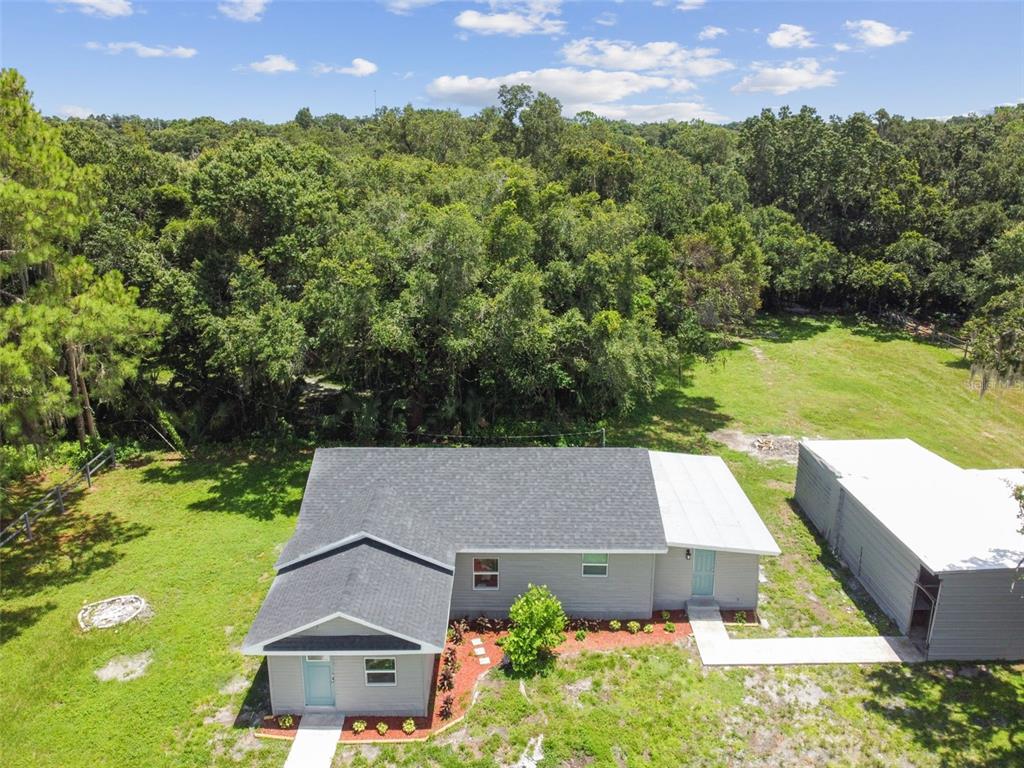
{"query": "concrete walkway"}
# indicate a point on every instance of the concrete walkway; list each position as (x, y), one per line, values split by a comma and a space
(718, 649)
(315, 741)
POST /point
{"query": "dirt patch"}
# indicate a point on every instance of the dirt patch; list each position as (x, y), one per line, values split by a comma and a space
(124, 668)
(799, 691)
(236, 684)
(573, 691)
(223, 716)
(784, 448)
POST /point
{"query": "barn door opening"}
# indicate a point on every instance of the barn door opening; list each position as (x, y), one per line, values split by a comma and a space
(926, 593)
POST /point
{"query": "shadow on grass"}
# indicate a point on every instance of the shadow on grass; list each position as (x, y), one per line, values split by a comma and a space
(847, 581)
(65, 549)
(673, 420)
(962, 720)
(14, 622)
(256, 704)
(260, 487)
(782, 328)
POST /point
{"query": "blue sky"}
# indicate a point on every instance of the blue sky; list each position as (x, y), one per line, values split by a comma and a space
(635, 60)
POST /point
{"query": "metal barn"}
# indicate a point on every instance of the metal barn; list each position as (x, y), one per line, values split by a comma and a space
(936, 546)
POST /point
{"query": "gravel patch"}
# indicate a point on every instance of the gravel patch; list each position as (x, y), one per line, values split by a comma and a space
(784, 448)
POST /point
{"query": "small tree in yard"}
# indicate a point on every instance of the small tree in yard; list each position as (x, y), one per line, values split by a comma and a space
(538, 625)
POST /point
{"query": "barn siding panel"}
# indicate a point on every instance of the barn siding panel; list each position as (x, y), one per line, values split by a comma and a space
(979, 615)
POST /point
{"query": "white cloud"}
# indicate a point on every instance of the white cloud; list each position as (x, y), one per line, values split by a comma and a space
(653, 113)
(145, 51)
(405, 7)
(572, 86)
(786, 78)
(106, 8)
(272, 64)
(73, 110)
(607, 19)
(514, 18)
(690, 5)
(710, 33)
(875, 34)
(243, 10)
(358, 68)
(841, 47)
(790, 36)
(657, 57)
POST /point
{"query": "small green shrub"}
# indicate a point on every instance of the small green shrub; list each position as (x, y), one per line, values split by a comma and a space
(538, 625)
(285, 721)
(408, 726)
(741, 617)
(382, 728)
(648, 629)
(670, 627)
(358, 726)
(614, 625)
(666, 615)
(581, 635)
(633, 627)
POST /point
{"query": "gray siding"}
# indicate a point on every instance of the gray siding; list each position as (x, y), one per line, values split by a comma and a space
(736, 580)
(339, 627)
(817, 492)
(351, 694)
(673, 580)
(979, 615)
(882, 563)
(627, 591)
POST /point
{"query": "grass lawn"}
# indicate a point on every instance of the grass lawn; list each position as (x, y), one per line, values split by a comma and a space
(197, 538)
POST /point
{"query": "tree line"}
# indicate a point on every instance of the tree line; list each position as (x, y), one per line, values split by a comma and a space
(421, 270)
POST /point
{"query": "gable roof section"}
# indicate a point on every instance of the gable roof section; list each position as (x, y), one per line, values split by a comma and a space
(434, 502)
(702, 506)
(365, 581)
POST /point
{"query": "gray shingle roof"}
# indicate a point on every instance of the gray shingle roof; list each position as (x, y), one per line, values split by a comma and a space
(365, 581)
(436, 501)
(322, 643)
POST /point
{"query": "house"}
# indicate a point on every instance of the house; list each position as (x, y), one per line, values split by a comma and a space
(936, 546)
(393, 542)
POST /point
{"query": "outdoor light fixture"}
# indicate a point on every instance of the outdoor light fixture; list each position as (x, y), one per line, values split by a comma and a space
(689, 553)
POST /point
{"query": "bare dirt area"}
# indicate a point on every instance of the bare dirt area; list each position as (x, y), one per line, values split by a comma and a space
(784, 448)
(125, 668)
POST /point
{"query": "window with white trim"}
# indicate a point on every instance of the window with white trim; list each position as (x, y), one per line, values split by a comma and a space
(380, 671)
(485, 573)
(595, 565)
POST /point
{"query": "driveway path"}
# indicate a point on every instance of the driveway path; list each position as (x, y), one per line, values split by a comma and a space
(718, 649)
(315, 741)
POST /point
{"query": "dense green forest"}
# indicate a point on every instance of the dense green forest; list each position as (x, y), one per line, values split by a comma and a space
(420, 270)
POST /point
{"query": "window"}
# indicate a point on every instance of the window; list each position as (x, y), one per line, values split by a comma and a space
(380, 671)
(595, 565)
(317, 658)
(485, 573)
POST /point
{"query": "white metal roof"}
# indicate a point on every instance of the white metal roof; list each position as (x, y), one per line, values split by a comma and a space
(952, 519)
(702, 506)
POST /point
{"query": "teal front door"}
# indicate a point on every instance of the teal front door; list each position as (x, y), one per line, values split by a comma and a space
(703, 572)
(319, 680)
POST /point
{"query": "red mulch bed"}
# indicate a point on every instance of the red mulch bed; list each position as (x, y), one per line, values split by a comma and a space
(272, 729)
(470, 670)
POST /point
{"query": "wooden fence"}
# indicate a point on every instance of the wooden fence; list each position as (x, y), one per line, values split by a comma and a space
(54, 498)
(924, 330)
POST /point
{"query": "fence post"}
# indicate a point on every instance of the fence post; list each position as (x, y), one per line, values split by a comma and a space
(28, 526)
(113, 458)
(60, 497)
(602, 436)
(88, 474)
